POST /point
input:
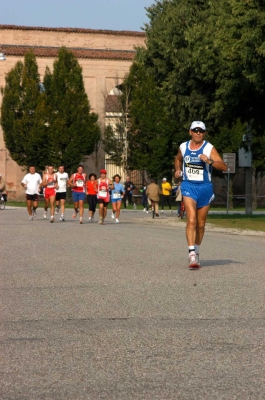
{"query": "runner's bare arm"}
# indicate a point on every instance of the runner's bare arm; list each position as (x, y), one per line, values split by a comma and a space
(215, 160)
(178, 164)
(70, 181)
(56, 182)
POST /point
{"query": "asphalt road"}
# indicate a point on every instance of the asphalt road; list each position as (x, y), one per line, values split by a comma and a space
(112, 312)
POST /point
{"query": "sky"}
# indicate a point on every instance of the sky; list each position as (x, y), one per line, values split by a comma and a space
(129, 15)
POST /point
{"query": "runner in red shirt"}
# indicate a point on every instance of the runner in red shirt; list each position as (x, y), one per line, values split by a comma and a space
(78, 183)
(103, 186)
(49, 182)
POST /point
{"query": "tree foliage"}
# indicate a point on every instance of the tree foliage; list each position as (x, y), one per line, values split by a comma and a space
(151, 132)
(48, 124)
(115, 140)
(73, 129)
(206, 59)
(114, 143)
(23, 114)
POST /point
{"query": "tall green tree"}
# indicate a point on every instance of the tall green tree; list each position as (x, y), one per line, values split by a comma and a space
(115, 142)
(23, 114)
(73, 129)
(208, 59)
(151, 134)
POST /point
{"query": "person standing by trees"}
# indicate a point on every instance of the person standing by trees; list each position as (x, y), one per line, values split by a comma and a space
(129, 187)
(3, 188)
(166, 194)
(153, 192)
(31, 182)
(194, 162)
(78, 183)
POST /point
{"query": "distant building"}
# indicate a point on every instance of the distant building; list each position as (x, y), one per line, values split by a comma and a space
(105, 57)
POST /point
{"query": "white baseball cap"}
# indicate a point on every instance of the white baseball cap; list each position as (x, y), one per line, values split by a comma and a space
(164, 179)
(198, 124)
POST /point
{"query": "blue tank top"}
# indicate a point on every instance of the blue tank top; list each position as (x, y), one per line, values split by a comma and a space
(194, 169)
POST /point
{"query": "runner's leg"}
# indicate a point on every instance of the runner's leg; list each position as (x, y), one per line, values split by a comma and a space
(29, 207)
(118, 209)
(190, 206)
(200, 226)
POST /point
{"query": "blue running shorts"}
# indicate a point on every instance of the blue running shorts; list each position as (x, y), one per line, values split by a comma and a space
(78, 196)
(202, 193)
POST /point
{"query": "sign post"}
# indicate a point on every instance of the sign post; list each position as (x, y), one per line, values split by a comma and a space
(230, 160)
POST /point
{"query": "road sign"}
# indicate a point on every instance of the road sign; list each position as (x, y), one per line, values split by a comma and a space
(230, 160)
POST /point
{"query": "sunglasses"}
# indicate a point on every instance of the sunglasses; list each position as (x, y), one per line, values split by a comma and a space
(198, 130)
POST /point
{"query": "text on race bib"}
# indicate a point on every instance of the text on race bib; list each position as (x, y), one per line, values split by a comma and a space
(194, 172)
(79, 183)
(103, 193)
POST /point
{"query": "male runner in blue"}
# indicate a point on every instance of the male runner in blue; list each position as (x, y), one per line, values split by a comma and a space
(194, 163)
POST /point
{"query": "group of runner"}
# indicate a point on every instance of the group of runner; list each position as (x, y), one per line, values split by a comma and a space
(193, 166)
(54, 184)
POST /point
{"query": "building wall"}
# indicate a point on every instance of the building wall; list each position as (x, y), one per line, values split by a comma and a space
(100, 76)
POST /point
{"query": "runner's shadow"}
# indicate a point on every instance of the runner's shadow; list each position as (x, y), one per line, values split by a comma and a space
(215, 263)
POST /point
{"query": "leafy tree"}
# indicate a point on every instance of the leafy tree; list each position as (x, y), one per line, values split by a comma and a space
(151, 131)
(115, 140)
(208, 59)
(114, 143)
(73, 129)
(23, 114)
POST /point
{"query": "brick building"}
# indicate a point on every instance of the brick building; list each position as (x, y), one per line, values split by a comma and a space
(105, 57)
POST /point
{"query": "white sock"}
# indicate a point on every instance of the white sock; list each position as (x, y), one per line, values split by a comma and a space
(191, 249)
(197, 249)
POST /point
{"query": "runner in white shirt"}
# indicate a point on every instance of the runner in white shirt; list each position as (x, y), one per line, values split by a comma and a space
(62, 178)
(31, 182)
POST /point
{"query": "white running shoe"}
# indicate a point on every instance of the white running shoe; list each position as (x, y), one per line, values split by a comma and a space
(192, 260)
(89, 219)
(30, 218)
(45, 214)
(147, 212)
(52, 219)
(112, 215)
(75, 214)
(62, 218)
(144, 210)
(57, 210)
(116, 221)
(162, 211)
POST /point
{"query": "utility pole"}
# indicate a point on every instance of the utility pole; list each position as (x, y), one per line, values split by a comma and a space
(248, 201)
(245, 160)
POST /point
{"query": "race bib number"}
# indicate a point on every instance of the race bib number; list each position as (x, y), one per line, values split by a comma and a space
(194, 172)
(103, 193)
(50, 184)
(79, 183)
(116, 195)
